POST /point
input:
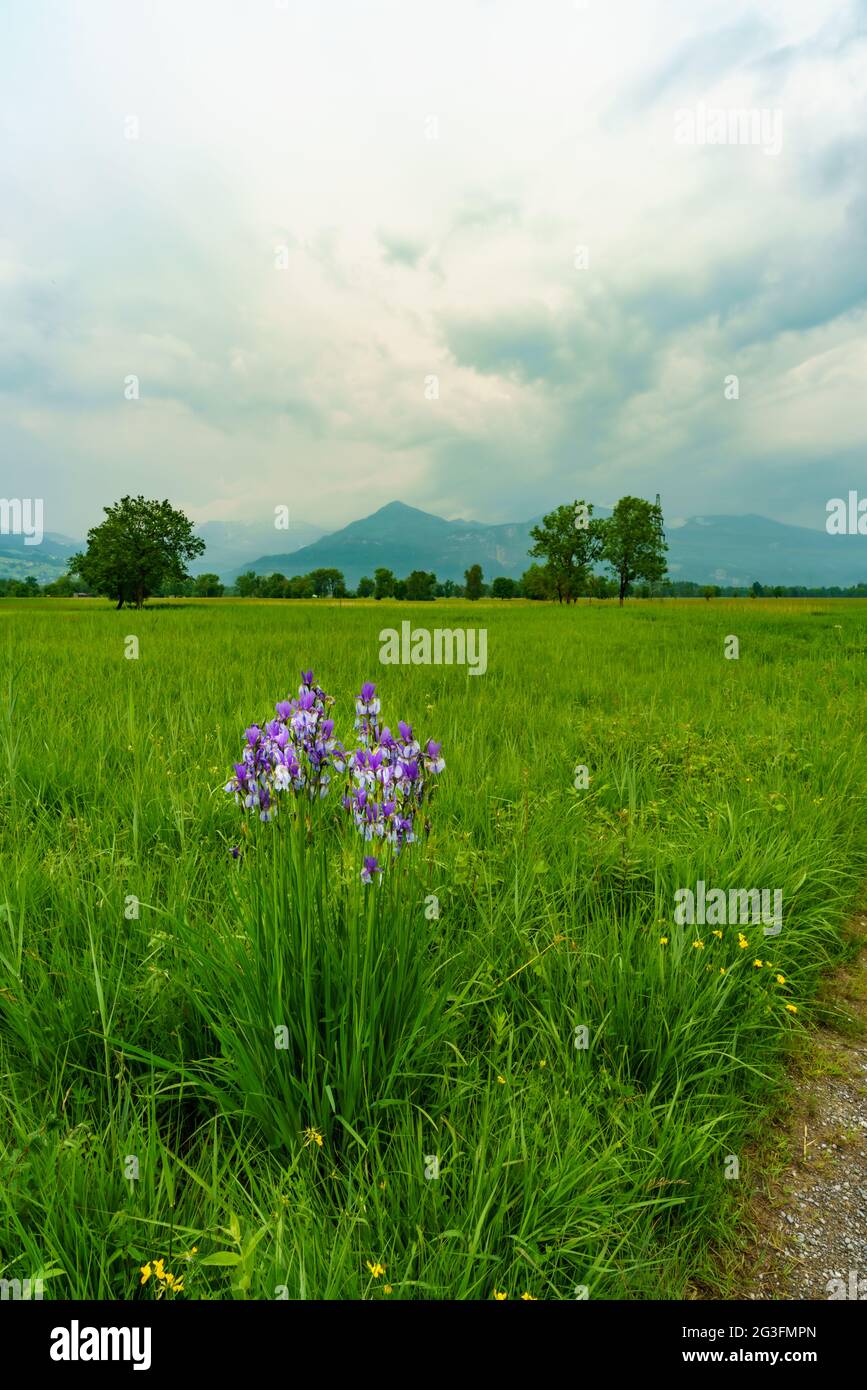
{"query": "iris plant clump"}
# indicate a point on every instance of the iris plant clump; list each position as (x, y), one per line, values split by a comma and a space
(389, 779)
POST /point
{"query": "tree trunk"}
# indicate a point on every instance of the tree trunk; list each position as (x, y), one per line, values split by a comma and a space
(119, 601)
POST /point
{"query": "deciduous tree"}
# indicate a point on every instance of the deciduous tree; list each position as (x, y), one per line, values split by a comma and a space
(140, 546)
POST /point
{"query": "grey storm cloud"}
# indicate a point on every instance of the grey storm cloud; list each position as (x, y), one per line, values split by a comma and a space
(287, 270)
(401, 250)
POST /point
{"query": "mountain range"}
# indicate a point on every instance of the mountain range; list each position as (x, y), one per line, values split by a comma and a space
(727, 550)
(403, 539)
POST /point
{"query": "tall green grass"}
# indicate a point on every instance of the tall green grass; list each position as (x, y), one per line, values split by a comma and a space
(414, 1045)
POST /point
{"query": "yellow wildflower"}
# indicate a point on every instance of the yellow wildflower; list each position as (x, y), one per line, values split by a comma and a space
(793, 1008)
(722, 970)
(145, 1272)
(376, 1270)
(386, 1288)
(717, 934)
(699, 945)
(529, 1298)
(781, 979)
(499, 1295)
(757, 964)
(663, 941)
(501, 1080)
(312, 1136)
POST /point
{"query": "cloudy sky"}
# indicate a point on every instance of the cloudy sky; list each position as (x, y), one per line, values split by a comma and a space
(287, 220)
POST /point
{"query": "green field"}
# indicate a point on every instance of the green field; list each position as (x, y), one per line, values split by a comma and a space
(412, 1038)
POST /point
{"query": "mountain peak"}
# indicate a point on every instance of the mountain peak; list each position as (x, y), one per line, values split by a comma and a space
(395, 510)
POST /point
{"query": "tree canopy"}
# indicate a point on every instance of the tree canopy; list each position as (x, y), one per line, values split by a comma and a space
(474, 582)
(633, 542)
(383, 583)
(570, 542)
(139, 547)
(421, 586)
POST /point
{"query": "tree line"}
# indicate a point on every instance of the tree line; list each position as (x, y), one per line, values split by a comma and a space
(209, 586)
(142, 550)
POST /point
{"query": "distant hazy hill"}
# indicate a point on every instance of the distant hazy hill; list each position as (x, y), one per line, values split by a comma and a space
(732, 550)
(403, 539)
(230, 543)
(44, 562)
(736, 550)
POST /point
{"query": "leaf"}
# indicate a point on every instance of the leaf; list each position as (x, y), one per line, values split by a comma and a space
(253, 1242)
(221, 1257)
(169, 1181)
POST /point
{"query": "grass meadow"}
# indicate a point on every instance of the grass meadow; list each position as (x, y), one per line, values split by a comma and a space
(469, 1148)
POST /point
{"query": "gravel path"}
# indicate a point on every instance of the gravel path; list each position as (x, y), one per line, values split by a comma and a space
(812, 1216)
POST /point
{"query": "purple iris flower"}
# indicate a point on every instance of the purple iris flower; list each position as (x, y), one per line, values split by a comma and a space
(433, 762)
(390, 779)
(371, 867)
